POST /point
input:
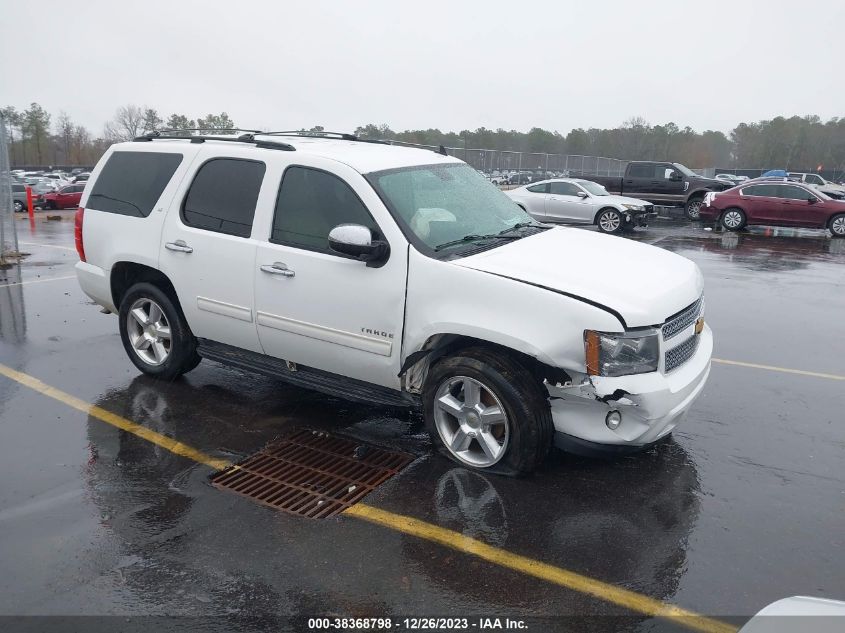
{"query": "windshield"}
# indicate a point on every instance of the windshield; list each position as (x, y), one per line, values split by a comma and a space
(593, 187)
(686, 171)
(444, 203)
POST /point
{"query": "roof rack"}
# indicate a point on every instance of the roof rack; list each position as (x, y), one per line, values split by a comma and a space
(343, 136)
(249, 137)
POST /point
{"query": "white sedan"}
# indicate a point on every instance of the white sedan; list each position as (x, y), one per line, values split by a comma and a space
(578, 201)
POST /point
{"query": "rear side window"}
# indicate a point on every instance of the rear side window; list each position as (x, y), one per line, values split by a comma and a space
(131, 182)
(310, 204)
(539, 188)
(767, 191)
(565, 189)
(223, 195)
(641, 171)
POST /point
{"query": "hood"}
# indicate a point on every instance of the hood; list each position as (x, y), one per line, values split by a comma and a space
(612, 199)
(644, 284)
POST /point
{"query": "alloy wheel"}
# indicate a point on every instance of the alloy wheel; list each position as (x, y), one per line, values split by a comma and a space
(733, 219)
(471, 421)
(149, 331)
(837, 227)
(694, 210)
(609, 221)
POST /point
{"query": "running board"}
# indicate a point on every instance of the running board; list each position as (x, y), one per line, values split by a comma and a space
(307, 377)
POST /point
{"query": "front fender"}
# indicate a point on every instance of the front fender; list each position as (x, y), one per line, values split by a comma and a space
(444, 298)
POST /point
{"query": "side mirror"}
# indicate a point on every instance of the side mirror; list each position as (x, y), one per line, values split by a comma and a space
(675, 177)
(582, 194)
(812, 200)
(357, 241)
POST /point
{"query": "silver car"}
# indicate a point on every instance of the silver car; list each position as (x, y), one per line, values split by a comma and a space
(579, 201)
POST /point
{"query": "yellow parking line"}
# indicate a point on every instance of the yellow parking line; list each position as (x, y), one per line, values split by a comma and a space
(631, 600)
(36, 281)
(785, 370)
(115, 420)
(556, 575)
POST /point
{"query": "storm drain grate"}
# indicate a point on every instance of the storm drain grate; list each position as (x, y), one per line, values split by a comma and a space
(311, 474)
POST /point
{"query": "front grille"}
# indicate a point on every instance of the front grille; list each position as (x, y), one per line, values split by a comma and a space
(681, 321)
(680, 354)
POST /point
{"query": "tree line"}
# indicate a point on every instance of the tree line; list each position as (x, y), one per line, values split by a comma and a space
(807, 142)
(36, 139)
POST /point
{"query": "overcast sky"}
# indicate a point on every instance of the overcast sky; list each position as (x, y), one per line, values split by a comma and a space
(420, 64)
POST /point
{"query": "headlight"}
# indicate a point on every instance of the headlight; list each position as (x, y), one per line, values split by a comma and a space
(620, 354)
(634, 207)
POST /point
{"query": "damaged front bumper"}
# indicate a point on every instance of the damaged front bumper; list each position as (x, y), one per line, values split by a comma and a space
(651, 405)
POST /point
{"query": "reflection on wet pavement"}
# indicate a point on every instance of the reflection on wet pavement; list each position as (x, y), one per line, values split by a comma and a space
(742, 507)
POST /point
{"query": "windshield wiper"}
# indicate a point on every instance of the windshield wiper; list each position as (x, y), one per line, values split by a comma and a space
(521, 225)
(475, 238)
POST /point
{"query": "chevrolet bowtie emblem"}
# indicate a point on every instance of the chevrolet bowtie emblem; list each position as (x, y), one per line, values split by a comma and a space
(699, 325)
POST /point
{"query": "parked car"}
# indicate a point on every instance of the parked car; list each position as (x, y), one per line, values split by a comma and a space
(667, 184)
(81, 177)
(499, 180)
(570, 200)
(65, 198)
(519, 178)
(776, 203)
(729, 178)
(329, 264)
(831, 189)
(19, 197)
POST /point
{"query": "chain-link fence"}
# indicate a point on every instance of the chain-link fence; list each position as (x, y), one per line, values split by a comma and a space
(8, 234)
(506, 161)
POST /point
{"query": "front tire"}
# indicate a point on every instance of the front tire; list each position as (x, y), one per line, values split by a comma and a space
(487, 412)
(837, 225)
(693, 208)
(610, 221)
(733, 219)
(19, 206)
(154, 332)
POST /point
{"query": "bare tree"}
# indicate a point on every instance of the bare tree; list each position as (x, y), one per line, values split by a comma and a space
(65, 129)
(128, 122)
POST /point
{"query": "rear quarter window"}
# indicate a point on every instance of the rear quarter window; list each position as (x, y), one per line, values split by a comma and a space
(132, 182)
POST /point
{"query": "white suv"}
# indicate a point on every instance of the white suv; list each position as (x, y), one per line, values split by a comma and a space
(397, 276)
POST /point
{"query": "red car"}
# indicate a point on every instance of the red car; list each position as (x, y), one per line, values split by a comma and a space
(65, 198)
(778, 203)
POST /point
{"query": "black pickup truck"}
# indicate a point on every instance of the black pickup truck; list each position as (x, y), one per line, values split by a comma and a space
(666, 184)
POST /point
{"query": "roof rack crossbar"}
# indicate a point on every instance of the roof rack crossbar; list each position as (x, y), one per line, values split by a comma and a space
(205, 130)
(344, 136)
(244, 138)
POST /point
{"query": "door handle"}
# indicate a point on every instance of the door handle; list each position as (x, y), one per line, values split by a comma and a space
(179, 246)
(278, 268)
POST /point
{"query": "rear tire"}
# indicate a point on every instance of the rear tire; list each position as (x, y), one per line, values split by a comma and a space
(837, 225)
(487, 412)
(610, 221)
(19, 206)
(693, 208)
(733, 219)
(155, 334)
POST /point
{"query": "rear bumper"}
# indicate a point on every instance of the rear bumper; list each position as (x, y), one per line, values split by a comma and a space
(708, 212)
(95, 283)
(653, 405)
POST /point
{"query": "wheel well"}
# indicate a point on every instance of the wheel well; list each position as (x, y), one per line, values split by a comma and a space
(599, 212)
(695, 195)
(126, 274)
(416, 367)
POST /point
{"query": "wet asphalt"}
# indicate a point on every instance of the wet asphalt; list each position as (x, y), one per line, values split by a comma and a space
(742, 507)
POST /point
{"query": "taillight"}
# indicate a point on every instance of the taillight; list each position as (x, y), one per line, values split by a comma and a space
(77, 233)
